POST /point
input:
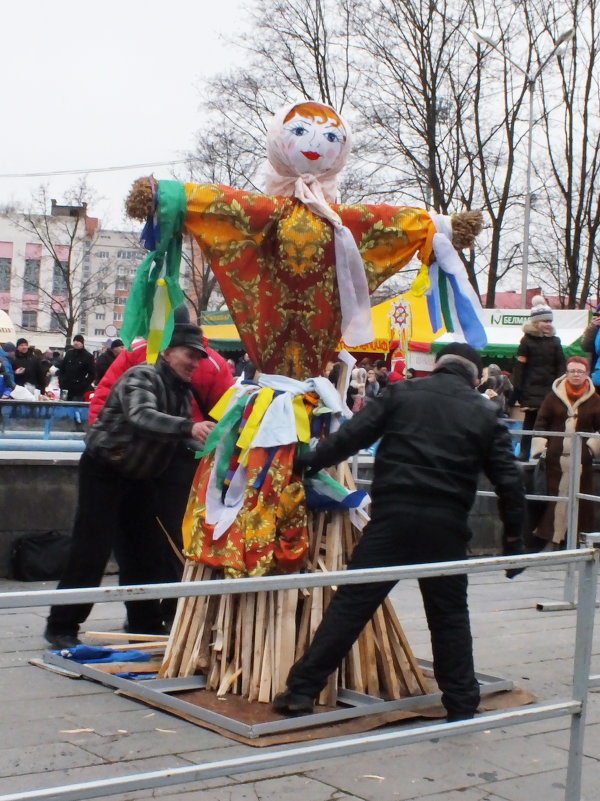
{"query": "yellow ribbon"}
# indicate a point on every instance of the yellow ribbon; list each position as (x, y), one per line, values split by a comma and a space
(421, 284)
(220, 407)
(261, 404)
(301, 417)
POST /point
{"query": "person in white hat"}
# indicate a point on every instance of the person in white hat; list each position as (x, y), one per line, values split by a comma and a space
(540, 361)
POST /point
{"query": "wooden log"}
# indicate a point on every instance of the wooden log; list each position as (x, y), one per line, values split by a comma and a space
(247, 617)
(259, 640)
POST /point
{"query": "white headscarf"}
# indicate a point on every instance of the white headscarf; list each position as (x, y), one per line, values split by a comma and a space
(316, 191)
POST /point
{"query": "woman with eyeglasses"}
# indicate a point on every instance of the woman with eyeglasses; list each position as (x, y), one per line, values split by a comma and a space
(572, 405)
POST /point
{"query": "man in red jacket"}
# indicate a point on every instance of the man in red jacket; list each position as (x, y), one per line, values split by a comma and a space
(211, 378)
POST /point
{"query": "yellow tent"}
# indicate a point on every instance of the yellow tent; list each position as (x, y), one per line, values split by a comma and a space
(419, 331)
(222, 333)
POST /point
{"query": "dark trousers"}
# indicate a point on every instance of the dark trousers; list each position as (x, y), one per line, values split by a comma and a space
(113, 513)
(400, 535)
(528, 425)
(172, 491)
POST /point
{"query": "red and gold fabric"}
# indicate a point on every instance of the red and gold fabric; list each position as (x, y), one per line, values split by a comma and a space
(274, 261)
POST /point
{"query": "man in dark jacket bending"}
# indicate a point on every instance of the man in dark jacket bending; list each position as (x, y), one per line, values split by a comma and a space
(146, 415)
(437, 434)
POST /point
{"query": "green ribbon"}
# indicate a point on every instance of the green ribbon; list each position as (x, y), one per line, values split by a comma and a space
(162, 262)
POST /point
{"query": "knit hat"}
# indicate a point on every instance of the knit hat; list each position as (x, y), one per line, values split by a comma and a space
(540, 309)
(187, 335)
(464, 351)
(9, 347)
(79, 338)
(116, 343)
(21, 341)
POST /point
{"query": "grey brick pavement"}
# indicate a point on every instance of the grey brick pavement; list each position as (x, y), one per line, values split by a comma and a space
(41, 711)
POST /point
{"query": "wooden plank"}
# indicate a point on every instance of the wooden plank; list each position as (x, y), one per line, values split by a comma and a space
(407, 650)
(248, 606)
(126, 667)
(122, 636)
(385, 657)
(259, 639)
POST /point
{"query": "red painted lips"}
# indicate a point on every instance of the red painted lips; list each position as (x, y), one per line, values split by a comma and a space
(311, 155)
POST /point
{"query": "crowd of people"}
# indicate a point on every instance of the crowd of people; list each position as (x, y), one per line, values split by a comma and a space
(138, 465)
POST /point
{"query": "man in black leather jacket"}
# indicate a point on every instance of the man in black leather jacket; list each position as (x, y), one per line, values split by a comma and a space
(437, 434)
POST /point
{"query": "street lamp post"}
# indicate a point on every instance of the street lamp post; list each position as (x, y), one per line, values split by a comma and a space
(565, 37)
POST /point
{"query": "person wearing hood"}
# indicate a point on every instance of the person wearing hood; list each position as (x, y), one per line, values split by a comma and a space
(497, 388)
(540, 361)
(572, 405)
(437, 434)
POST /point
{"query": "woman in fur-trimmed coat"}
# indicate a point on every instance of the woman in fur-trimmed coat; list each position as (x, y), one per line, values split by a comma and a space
(573, 405)
(540, 361)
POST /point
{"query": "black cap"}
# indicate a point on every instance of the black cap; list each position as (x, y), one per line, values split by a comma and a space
(187, 335)
(463, 350)
(116, 343)
(79, 338)
(22, 341)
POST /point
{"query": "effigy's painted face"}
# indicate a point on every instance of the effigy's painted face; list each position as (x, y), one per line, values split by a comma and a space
(312, 144)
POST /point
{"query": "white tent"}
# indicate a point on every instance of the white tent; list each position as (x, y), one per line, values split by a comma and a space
(7, 329)
(504, 329)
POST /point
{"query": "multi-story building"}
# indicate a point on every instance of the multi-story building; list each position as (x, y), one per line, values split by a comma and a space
(42, 257)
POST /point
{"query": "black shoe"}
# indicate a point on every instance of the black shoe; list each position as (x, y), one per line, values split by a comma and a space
(59, 641)
(157, 628)
(453, 717)
(290, 703)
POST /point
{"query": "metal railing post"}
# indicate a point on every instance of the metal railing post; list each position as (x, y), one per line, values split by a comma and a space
(586, 606)
(569, 594)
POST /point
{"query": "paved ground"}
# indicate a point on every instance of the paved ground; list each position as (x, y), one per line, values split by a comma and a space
(41, 711)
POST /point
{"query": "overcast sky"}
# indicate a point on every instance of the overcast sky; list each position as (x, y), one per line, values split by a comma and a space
(90, 85)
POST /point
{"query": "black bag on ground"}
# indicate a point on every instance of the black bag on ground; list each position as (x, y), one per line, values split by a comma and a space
(39, 557)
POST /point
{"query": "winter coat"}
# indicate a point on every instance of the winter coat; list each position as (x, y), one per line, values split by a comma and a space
(146, 415)
(103, 362)
(500, 385)
(437, 434)
(558, 414)
(9, 375)
(589, 343)
(76, 371)
(540, 361)
(211, 378)
(33, 370)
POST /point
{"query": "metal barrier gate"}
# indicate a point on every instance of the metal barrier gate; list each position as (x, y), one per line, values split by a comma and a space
(586, 560)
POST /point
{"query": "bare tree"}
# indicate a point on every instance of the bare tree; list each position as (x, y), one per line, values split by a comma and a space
(570, 177)
(66, 235)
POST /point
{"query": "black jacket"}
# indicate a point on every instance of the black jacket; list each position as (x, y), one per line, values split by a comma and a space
(33, 374)
(540, 361)
(76, 371)
(103, 362)
(146, 415)
(437, 434)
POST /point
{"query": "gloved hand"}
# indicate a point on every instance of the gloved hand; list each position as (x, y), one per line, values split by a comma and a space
(513, 546)
(304, 464)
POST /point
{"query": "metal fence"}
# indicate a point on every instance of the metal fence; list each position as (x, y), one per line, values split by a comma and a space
(584, 560)
(571, 500)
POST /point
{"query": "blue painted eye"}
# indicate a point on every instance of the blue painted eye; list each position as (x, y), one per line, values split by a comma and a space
(332, 137)
(298, 130)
